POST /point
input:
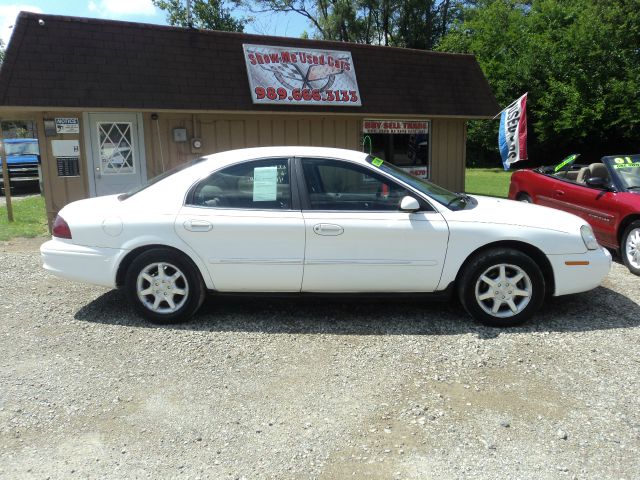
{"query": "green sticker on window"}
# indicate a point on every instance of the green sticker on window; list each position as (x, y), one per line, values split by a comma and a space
(376, 162)
(567, 160)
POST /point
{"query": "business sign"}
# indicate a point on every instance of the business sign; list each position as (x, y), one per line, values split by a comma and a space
(420, 171)
(404, 127)
(67, 125)
(300, 76)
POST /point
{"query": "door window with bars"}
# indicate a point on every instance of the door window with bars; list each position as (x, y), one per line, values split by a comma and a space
(116, 148)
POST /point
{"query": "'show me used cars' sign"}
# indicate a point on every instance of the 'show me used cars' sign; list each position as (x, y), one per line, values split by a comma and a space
(300, 76)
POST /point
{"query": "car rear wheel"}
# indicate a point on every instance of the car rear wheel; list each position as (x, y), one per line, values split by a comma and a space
(164, 286)
(502, 287)
(630, 247)
(523, 197)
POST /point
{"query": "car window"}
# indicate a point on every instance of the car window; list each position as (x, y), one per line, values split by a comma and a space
(336, 185)
(261, 184)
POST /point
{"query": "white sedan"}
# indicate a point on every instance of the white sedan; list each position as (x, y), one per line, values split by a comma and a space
(320, 220)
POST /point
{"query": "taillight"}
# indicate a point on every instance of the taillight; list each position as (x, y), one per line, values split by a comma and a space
(61, 228)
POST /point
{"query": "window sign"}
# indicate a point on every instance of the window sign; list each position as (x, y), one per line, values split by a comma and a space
(300, 76)
(403, 142)
(265, 184)
(397, 127)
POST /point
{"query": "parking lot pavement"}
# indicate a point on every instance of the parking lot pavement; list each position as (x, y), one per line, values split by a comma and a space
(274, 388)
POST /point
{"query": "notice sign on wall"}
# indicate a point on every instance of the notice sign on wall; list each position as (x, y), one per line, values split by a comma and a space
(300, 76)
(402, 127)
(68, 166)
(67, 125)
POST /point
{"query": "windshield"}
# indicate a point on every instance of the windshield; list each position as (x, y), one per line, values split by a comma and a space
(157, 178)
(27, 147)
(626, 169)
(453, 201)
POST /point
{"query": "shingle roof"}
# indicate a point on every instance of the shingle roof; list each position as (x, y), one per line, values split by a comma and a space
(91, 63)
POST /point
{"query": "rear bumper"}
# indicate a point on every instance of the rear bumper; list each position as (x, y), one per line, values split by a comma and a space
(83, 264)
(580, 278)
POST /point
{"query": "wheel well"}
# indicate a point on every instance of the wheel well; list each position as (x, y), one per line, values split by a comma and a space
(126, 261)
(536, 254)
(623, 226)
(521, 194)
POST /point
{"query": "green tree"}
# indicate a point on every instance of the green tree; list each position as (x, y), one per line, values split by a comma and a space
(205, 14)
(402, 23)
(579, 61)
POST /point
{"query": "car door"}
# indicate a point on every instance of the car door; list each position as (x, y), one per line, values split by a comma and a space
(596, 206)
(358, 240)
(246, 225)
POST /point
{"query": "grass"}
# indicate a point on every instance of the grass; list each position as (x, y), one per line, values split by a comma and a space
(29, 219)
(488, 181)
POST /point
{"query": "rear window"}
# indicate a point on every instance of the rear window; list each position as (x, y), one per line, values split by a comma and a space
(162, 176)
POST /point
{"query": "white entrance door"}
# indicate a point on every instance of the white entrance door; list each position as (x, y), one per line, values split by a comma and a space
(115, 152)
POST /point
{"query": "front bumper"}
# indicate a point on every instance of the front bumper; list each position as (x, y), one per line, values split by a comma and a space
(83, 264)
(578, 277)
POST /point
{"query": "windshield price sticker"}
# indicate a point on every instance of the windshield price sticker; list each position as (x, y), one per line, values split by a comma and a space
(301, 76)
(376, 162)
(626, 162)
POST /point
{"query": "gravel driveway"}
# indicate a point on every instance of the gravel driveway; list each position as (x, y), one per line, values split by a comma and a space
(268, 388)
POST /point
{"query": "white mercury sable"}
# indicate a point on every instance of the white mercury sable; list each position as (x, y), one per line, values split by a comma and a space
(320, 220)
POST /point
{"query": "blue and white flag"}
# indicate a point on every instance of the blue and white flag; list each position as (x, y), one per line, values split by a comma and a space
(512, 136)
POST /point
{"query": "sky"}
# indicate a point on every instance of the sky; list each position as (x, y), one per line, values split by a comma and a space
(290, 25)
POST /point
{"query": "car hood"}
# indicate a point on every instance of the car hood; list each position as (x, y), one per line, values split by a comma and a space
(509, 212)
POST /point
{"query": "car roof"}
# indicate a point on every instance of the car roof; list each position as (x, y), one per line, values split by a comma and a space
(221, 159)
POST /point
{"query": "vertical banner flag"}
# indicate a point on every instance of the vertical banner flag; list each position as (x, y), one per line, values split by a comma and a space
(512, 136)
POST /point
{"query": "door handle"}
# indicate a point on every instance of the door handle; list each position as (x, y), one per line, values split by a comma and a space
(198, 225)
(329, 229)
(559, 192)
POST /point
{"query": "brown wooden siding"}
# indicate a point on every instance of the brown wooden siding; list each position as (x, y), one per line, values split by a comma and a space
(448, 157)
(225, 132)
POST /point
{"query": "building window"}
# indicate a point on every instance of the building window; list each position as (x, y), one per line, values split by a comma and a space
(404, 143)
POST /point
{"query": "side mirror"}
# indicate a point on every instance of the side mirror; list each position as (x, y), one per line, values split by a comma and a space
(409, 204)
(598, 182)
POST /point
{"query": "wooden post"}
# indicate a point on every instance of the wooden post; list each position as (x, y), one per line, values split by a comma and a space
(5, 179)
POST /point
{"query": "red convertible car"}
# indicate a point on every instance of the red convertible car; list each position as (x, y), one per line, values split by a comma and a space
(606, 194)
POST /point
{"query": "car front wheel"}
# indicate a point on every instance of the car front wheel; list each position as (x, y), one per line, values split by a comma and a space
(502, 287)
(164, 286)
(630, 247)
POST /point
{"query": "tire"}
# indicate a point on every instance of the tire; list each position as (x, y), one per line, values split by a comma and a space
(176, 297)
(501, 307)
(523, 197)
(630, 247)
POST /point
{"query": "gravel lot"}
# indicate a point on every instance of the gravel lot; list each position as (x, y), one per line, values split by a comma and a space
(274, 388)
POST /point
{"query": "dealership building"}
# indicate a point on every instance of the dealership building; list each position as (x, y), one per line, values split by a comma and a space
(116, 103)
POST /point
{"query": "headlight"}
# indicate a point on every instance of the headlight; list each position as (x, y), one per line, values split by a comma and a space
(588, 237)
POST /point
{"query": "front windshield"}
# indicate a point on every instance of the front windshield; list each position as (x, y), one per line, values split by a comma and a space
(21, 148)
(626, 169)
(162, 176)
(449, 199)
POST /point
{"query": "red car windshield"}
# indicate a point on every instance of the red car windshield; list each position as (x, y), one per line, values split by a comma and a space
(626, 168)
